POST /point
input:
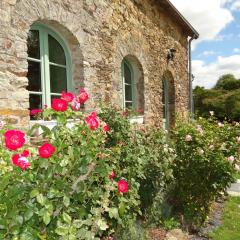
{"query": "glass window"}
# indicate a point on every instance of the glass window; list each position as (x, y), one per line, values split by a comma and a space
(49, 66)
(165, 103)
(129, 85)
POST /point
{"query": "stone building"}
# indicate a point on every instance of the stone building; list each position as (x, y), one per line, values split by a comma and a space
(130, 52)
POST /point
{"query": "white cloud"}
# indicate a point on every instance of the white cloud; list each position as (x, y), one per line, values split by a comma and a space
(235, 6)
(208, 17)
(236, 50)
(207, 74)
(207, 53)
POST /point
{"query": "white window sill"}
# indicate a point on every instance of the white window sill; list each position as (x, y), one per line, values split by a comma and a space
(137, 119)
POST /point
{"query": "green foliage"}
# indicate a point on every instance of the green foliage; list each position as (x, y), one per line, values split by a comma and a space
(202, 169)
(223, 99)
(170, 224)
(227, 82)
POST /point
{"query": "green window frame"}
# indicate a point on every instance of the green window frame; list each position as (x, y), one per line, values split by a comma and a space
(45, 34)
(165, 104)
(129, 85)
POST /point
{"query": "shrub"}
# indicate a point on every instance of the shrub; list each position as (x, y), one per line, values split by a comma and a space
(202, 168)
(59, 187)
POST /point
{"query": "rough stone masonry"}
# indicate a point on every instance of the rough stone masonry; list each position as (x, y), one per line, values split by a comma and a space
(100, 33)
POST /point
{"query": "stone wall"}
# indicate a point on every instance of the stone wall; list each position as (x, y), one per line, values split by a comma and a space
(100, 33)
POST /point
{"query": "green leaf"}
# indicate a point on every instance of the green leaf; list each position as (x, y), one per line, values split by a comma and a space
(66, 218)
(62, 230)
(102, 225)
(28, 214)
(46, 217)
(113, 213)
(122, 208)
(41, 199)
(34, 193)
(66, 201)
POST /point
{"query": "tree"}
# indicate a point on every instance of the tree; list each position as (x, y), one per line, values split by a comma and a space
(227, 82)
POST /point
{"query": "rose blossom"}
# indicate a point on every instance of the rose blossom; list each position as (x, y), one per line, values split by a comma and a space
(122, 186)
(75, 104)
(92, 121)
(112, 175)
(211, 147)
(59, 105)
(67, 96)
(14, 139)
(35, 112)
(211, 113)
(220, 124)
(83, 96)
(231, 159)
(106, 128)
(200, 151)
(20, 160)
(188, 138)
(237, 167)
(2, 123)
(238, 139)
(46, 150)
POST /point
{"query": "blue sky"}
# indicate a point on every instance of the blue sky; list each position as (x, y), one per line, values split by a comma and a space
(217, 51)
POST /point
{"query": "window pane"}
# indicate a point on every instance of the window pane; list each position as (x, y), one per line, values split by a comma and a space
(127, 74)
(129, 105)
(56, 52)
(128, 93)
(33, 44)
(58, 79)
(34, 76)
(35, 101)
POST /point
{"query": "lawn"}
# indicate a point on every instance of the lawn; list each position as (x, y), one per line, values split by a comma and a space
(230, 230)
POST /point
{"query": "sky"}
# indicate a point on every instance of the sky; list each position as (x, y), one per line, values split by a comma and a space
(217, 51)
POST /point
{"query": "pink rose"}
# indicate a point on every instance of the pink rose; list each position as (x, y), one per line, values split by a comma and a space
(35, 112)
(75, 105)
(92, 121)
(67, 96)
(237, 167)
(231, 159)
(211, 113)
(122, 186)
(46, 150)
(20, 160)
(59, 105)
(112, 175)
(238, 139)
(188, 138)
(14, 139)
(106, 128)
(83, 96)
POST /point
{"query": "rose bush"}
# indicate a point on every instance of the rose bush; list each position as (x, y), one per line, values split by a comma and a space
(56, 185)
(207, 153)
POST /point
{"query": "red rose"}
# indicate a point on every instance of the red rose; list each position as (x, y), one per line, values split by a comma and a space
(14, 139)
(59, 105)
(46, 150)
(92, 121)
(35, 112)
(122, 186)
(106, 128)
(21, 161)
(25, 153)
(83, 96)
(67, 96)
(112, 175)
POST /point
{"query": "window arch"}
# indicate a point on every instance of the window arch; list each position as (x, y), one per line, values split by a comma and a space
(168, 101)
(133, 84)
(49, 66)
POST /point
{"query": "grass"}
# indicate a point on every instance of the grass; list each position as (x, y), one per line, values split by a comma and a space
(230, 230)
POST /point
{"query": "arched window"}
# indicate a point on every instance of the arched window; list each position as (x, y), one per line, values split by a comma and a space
(49, 66)
(168, 101)
(165, 103)
(129, 86)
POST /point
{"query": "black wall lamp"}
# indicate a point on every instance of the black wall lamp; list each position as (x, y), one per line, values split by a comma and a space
(171, 54)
